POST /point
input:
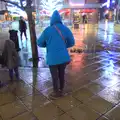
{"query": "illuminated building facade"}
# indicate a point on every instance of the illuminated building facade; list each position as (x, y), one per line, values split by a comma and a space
(79, 8)
(3, 11)
(2, 6)
(72, 9)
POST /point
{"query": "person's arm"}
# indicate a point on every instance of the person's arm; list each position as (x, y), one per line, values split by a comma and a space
(25, 25)
(4, 55)
(41, 40)
(19, 25)
(70, 39)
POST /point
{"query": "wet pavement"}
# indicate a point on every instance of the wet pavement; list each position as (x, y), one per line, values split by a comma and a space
(92, 84)
(117, 28)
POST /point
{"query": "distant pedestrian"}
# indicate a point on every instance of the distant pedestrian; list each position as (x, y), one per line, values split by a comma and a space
(106, 16)
(11, 58)
(22, 27)
(57, 38)
(84, 19)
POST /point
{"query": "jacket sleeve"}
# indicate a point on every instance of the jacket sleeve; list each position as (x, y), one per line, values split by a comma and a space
(70, 39)
(4, 55)
(41, 40)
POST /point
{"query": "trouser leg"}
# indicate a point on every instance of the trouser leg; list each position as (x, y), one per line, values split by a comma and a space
(54, 73)
(25, 34)
(21, 33)
(61, 72)
(83, 20)
(11, 74)
(16, 72)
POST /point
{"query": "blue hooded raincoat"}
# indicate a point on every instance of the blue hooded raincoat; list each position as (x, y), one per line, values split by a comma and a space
(57, 52)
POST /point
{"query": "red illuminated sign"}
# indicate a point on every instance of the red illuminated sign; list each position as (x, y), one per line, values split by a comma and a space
(87, 10)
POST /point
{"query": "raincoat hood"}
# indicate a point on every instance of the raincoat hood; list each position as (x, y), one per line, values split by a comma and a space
(55, 18)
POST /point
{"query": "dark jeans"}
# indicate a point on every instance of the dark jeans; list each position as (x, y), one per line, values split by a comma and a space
(58, 72)
(21, 33)
(11, 71)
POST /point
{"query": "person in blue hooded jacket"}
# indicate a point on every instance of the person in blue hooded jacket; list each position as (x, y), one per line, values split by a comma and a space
(57, 38)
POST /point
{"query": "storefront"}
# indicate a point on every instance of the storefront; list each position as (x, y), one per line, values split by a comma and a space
(85, 15)
(77, 16)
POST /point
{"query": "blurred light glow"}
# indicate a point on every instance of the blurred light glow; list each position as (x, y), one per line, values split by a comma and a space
(106, 4)
(107, 11)
(106, 26)
(51, 5)
(113, 1)
(15, 11)
(76, 4)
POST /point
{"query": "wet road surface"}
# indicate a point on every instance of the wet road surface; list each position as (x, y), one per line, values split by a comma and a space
(92, 84)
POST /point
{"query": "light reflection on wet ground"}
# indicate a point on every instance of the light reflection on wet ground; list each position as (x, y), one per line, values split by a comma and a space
(92, 81)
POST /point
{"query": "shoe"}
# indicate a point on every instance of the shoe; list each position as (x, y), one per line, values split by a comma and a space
(17, 79)
(11, 81)
(55, 95)
(62, 93)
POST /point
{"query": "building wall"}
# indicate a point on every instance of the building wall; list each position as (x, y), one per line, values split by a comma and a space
(2, 5)
(92, 1)
(66, 1)
(102, 1)
(77, 1)
(87, 1)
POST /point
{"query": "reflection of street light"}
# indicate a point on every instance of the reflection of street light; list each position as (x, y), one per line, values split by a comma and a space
(113, 1)
(108, 3)
(6, 16)
(107, 11)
